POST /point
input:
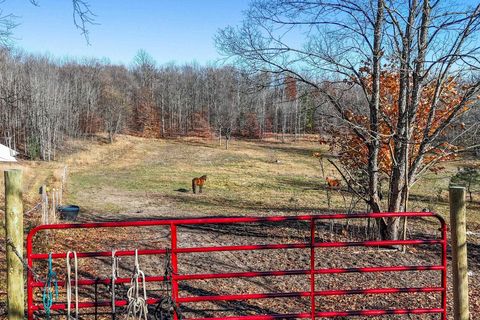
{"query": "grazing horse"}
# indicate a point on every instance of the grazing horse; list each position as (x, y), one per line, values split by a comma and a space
(198, 182)
(332, 182)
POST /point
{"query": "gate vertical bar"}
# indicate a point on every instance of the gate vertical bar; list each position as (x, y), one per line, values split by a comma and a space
(173, 234)
(312, 267)
(444, 270)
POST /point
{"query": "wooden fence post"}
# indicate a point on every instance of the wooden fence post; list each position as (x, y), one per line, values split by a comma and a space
(14, 237)
(459, 252)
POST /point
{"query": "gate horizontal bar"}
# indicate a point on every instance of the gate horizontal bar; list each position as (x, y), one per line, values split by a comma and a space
(330, 314)
(261, 317)
(300, 294)
(106, 281)
(252, 274)
(223, 220)
(94, 254)
(86, 305)
(270, 295)
(377, 243)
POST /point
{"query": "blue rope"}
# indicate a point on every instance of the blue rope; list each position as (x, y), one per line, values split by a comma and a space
(47, 296)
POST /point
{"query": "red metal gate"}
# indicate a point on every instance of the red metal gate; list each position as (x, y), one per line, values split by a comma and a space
(175, 250)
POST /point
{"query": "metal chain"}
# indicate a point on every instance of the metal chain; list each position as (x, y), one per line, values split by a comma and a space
(166, 307)
(168, 271)
(10, 243)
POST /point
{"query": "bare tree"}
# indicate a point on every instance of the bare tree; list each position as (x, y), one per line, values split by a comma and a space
(114, 99)
(348, 46)
(83, 17)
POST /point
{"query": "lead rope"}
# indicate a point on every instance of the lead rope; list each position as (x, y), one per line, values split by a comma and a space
(137, 305)
(48, 290)
(69, 284)
(114, 278)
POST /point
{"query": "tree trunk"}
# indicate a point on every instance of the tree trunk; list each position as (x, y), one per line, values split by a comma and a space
(374, 107)
(389, 228)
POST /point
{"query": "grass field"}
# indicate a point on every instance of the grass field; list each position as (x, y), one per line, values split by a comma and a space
(140, 178)
(250, 177)
(136, 175)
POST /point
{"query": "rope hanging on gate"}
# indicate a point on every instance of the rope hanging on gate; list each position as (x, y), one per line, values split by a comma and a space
(114, 278)
(51, 286)
(69, 284)
(137, 305)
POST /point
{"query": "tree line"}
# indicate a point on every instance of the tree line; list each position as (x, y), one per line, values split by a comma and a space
(44, 100)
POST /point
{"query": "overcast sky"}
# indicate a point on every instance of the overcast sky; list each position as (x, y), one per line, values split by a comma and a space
(170, 30)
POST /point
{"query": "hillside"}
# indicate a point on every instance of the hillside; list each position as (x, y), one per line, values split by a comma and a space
(138, 178)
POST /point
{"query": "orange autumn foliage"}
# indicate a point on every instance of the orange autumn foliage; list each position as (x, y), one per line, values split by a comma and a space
(352, 150)
(290, 88)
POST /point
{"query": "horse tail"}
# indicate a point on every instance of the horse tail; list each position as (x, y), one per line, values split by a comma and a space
(193, 185)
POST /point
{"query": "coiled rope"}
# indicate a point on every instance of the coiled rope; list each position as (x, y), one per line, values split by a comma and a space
(114, 278)
(137, 305)
(69, 284)
(51, 287)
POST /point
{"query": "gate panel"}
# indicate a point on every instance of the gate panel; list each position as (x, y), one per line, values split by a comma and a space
(312, 273)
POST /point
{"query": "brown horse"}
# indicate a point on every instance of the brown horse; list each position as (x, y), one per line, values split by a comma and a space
(332, 182)
(198, 182)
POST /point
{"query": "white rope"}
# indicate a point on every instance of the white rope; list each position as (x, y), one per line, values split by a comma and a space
(69, 284)
(44, 206)
(114, 278)
(54, 219)
(137, 305)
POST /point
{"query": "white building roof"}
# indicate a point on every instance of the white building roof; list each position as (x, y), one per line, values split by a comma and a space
(7, 154)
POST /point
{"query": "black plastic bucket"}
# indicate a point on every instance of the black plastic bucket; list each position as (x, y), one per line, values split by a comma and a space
(69, 212)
